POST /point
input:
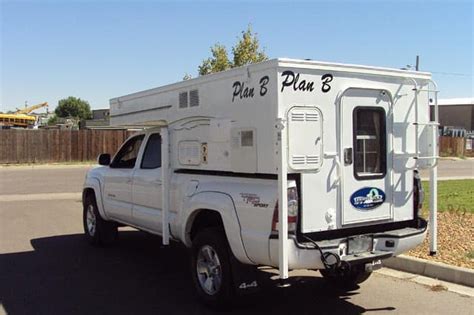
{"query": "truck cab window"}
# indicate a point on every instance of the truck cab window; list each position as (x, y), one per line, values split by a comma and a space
(152, 155)
(369, 143)
(127, 156)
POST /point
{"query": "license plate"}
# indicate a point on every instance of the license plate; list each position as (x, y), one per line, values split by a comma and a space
(359, 244)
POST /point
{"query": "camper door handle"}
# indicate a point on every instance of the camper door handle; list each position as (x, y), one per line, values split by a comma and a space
(347, 156)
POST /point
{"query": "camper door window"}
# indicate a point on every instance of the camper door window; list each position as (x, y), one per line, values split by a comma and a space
(127, 156)
(369, 143)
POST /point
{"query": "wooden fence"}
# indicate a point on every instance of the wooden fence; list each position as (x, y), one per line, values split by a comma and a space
(452, 146)
(33, 146)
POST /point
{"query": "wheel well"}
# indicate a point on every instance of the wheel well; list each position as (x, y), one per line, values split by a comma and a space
(86, 193)
(205, 219)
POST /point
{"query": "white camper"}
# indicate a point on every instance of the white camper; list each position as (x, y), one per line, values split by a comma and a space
(293, 164)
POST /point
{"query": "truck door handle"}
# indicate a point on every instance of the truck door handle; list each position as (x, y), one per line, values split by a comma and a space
(347, 156)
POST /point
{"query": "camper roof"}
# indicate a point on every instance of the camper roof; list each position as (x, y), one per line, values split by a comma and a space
(282, 62)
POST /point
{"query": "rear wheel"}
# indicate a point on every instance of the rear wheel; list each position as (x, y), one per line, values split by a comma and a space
(97, 230)
(346, 278)
(211, 268)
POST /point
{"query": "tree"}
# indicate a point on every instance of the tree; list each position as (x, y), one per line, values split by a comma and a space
(53, 120)
(246, 51)
(73, 107)
(218, 62)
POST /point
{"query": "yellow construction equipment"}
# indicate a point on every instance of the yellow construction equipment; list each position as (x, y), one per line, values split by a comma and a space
(21, 118)
(31, 108)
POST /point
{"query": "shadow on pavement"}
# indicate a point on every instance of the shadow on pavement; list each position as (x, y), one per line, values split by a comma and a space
(65, 275)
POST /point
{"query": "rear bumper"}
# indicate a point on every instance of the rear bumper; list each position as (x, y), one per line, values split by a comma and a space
(385, 244)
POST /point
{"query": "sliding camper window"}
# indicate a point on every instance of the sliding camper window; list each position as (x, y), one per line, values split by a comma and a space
(152, 155)
(369, 143)
(127, 156)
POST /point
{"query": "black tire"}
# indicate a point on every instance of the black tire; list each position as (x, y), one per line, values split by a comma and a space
(105, 232)
(214, 239)
(346, 279)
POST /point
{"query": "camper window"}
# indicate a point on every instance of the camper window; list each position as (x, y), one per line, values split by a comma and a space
(127, 156)
(246, 138)
(152, 155)
(369, 142)
(183, 99)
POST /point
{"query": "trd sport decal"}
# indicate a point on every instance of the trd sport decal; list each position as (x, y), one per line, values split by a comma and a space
(367, 198)
(253, 199)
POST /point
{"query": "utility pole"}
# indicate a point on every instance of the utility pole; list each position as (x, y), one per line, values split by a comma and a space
(417, 67)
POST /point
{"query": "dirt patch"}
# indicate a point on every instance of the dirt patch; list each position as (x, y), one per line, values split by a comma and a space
(455, 240)
(438, 288)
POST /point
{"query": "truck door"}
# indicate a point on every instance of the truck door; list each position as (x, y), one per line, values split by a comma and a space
(146, 187)
(366, 158)
(118, 180)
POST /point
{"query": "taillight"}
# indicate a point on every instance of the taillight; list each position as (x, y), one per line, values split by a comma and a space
(292, 211)
(418, 193)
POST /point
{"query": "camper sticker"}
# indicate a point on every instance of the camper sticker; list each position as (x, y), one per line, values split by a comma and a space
(292, 80)
(242, 91)
(367, 198)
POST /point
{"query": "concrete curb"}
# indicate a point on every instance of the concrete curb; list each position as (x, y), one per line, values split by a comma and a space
(464, 276)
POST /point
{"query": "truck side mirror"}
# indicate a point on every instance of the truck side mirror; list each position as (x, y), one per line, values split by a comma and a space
(104, 159)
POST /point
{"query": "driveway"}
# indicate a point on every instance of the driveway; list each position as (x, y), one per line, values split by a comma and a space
(46, 267)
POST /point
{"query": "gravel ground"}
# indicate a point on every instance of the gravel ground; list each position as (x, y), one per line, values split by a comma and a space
(455, 240)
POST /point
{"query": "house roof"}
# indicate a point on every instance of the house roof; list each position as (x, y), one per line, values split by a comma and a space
(456, 101)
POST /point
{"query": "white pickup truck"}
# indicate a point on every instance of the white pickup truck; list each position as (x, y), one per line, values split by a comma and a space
(334, 149)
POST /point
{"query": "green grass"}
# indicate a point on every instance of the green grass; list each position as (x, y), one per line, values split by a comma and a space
(453, 195)
(470, 254)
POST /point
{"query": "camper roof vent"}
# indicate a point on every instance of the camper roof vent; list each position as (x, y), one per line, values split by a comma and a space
(183, 99)
(305, 159)
(305, 132)
(297, 116)
(312, 116)
(193, 98)
(298, 159)
(302, 116)
(312, 159)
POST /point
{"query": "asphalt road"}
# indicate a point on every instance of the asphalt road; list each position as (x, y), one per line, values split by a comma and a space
(42, 179)
(453, 169)
(46, 267)
(69, 179)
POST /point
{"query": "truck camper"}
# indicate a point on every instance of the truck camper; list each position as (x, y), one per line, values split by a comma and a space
(293, 164)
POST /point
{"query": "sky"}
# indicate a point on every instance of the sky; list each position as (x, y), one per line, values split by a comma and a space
(97, 50)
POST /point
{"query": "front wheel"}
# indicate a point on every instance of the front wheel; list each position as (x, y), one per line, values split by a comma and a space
(97, 230)
(211, 270)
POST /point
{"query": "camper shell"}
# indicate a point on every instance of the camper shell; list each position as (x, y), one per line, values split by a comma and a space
(306, 158)
(226, 122)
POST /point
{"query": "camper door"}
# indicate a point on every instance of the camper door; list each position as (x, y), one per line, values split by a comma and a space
(365, 153)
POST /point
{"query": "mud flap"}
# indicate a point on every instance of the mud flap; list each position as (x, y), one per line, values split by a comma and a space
(245, 277)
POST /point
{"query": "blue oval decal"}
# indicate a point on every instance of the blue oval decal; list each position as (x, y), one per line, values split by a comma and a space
(367, 198)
